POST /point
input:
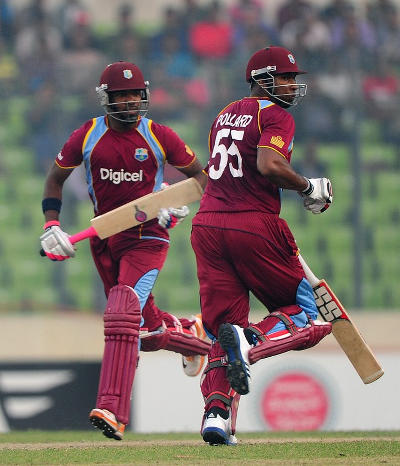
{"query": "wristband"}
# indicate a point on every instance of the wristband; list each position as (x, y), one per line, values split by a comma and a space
(309, 189)
(51, 203)
(51, 223)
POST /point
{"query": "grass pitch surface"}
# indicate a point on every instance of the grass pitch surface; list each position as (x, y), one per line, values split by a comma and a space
(302, 448)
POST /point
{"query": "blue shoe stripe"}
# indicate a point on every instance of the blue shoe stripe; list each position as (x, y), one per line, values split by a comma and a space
(221, 432)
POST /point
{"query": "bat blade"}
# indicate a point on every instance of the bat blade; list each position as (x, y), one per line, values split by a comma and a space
(140, 210)
(344, 329)
(146, 208)
(346, 333)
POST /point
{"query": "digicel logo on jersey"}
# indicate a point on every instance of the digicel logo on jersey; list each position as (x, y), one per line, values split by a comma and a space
(121, 175)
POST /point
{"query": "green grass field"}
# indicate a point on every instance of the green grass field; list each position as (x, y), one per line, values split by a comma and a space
(300, 448)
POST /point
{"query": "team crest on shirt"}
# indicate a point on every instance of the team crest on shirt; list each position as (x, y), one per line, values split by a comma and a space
(128, 74)
(141, 154)
(277, 141)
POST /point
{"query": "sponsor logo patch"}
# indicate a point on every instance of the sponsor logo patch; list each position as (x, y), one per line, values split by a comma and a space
(291, 58)
(141, 154)
(140, 215)
(128, 74)
(117, 176)
(277, 141)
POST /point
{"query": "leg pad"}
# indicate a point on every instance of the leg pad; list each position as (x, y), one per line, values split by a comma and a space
(121, 329)
(180, 336)
(299, 339)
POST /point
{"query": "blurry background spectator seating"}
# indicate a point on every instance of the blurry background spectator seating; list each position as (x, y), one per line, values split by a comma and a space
(193, 52)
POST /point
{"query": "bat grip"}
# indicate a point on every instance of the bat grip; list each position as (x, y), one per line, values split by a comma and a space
(309, 273)
(88, 233)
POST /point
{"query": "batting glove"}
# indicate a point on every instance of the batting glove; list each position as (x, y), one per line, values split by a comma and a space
(169, 218)
(318, 195)
(55, 242)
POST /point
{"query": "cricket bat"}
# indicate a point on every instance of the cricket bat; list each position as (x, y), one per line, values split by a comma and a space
(141, 210)
(343, 328)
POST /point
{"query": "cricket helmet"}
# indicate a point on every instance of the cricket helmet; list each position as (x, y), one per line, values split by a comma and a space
(269, 62)
(123, 76)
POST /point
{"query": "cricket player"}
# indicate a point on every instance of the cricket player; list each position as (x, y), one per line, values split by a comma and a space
(124, 154)
(242, 245)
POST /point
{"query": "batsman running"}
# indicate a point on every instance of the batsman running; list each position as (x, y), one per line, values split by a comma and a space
(124, 154)
(242, 245)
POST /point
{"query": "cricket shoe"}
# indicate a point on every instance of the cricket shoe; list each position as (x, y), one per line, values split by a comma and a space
(217, 428)
(233, 341)
(192, 365)
(107, 422)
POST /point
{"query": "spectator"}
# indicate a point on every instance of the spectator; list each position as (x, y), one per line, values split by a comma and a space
(379, 11)
(37, 48)
(9, 71)
(388, 36)
(381, 91)
(171, 71)
(334, 11)
(247, 17)
(45, 136)
(213, 37)
(191, 13)
(126, 43)
(290, 10)
(171, 26)
(67, 15)
(353, 40)
(318, 121)
(310, 37)
(7, 22)
(30, 13)
(238, 11)
(80, 61)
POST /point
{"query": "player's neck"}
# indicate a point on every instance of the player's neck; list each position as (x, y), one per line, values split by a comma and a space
(120, 126)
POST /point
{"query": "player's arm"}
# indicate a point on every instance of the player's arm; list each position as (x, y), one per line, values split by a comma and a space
(53, 189)
(277, 169)
(196, 171)
(54, 241)
(170, 217)
(317, 192)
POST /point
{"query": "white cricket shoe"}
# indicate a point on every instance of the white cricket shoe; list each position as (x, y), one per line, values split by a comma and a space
(235, 344)
(192, 365)
(216, 429)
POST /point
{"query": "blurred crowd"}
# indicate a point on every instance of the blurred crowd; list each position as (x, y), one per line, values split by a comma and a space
(195, 60)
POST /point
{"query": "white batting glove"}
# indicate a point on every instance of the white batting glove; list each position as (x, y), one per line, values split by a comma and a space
(318, 195)
(169, 218)
(55, 242)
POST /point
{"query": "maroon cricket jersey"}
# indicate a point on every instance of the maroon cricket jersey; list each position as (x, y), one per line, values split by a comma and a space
(234, 183)
(121, 167)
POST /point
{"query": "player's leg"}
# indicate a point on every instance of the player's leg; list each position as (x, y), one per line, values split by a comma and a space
(121, 329)
(223, 299)
(193, 365)
(138, 270)
(292, 323)
(106, 267)
(221, 401)
(108, 271)
(183, 336)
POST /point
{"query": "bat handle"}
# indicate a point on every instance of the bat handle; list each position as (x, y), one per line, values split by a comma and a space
(81, 235)
(309, 273)
(88, 233)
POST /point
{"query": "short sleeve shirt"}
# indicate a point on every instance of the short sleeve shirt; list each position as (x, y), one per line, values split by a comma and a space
(121, 167)
(234, 183)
